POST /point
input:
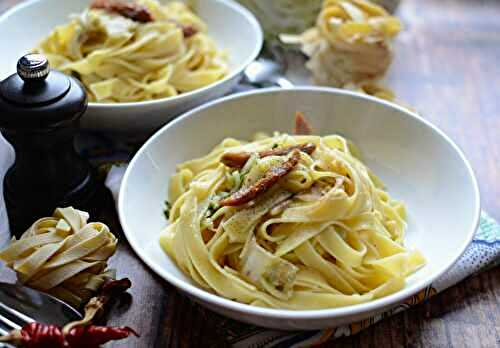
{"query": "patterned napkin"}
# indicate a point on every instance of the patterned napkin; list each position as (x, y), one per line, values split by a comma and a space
(484, 252)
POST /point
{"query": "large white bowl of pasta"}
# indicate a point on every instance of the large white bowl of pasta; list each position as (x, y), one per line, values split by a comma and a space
(142, 62)
(350, 212)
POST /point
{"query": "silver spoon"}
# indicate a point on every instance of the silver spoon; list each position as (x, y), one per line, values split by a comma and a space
(265, 72)
(23, 305)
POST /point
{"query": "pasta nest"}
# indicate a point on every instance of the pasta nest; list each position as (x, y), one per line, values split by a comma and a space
(63, 255)
(350, 46)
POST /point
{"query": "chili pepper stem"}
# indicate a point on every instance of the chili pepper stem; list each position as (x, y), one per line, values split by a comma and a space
(14, 337)
(90, 314)
(95, 306)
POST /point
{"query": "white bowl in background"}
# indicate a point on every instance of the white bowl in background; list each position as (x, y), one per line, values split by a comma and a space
(419, 164)
(232, 27)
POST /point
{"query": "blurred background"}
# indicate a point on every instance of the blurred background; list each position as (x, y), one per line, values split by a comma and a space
(293, 16)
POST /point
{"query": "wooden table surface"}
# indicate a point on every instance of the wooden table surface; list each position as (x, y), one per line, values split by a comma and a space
(448, 67)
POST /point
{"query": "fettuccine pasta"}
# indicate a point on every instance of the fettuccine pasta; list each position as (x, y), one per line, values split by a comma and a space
(128, 52)
(63, 255)
(287, 221)
(350, 46)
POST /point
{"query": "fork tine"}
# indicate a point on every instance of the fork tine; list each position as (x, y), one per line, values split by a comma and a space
(3, 332)
(9, 323)
(21, 318)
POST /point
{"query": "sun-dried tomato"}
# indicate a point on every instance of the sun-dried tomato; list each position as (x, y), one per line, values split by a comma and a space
(270, 178)
(132, 11)
(238, 159)
(302, 126)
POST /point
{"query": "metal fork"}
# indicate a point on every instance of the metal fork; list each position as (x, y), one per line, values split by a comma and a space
(11, 319)
(20, 305)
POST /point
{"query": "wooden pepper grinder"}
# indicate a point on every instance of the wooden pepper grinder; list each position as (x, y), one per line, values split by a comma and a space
(40, 111)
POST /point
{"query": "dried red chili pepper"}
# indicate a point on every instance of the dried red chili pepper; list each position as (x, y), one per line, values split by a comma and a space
(94, 336)
(77, 334)
(36, 335)
(115, 287)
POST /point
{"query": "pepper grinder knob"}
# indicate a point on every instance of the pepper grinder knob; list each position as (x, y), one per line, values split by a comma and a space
(33, 67)
(40, 111)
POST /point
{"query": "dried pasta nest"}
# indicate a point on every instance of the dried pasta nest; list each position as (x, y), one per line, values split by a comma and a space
(63, 255)
(350, 46)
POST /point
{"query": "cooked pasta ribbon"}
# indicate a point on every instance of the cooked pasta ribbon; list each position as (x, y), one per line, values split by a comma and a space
(63, 255)
(325, 235)
(119, 59)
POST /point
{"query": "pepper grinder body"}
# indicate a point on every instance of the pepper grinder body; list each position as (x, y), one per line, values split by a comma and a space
(47, 172)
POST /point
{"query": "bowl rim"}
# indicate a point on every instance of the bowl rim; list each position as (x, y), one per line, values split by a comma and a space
(194, 94)
(372, 306)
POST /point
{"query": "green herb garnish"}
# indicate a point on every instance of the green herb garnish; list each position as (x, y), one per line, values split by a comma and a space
(213, 204)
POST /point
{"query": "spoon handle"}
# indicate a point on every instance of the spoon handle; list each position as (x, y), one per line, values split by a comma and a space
(283, 82)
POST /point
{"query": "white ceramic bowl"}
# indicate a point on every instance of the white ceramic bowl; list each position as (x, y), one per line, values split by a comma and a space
(418, 163)
(232, 27)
